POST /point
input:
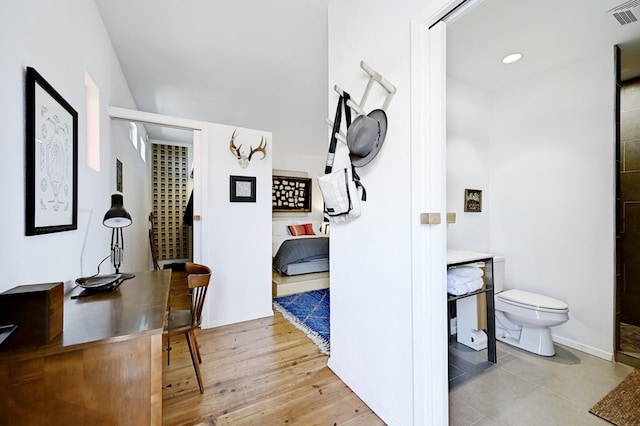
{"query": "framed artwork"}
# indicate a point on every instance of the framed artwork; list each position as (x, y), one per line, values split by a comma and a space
(473, 200)
(51, 159)
(291, 194)
(118, 175)
(242, 189)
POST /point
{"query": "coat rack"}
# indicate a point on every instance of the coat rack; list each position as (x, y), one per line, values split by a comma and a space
(358, 108)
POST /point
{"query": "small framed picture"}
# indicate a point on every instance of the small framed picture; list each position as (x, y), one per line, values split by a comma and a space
(473, 200)
(242, 189)
(118, 175)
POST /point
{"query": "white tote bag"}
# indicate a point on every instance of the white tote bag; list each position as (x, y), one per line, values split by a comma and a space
(341, 197)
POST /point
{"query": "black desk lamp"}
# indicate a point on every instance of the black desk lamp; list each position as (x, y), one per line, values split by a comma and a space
(117, 218)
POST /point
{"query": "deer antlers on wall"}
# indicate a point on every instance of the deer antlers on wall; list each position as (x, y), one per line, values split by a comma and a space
(243, 159)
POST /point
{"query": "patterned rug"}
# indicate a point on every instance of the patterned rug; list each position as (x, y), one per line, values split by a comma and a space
(621, 406)
(309, 312)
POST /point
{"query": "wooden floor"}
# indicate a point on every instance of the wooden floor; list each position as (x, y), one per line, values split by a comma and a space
(261, 372)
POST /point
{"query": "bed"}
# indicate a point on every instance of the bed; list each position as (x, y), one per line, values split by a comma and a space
(300, 257)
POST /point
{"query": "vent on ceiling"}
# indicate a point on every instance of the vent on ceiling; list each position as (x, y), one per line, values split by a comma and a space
(626, 13)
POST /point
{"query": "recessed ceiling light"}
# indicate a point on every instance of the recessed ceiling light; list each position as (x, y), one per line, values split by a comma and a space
(509, 59)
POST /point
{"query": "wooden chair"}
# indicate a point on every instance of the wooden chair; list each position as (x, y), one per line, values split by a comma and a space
(188, 320)
(152, 243)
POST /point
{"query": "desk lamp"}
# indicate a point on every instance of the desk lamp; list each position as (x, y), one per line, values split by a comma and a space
(117, 218)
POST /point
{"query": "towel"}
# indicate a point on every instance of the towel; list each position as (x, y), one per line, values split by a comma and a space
(463, 275)
(464, 288)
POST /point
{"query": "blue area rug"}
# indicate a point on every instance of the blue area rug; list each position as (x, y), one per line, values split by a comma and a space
(309, 312)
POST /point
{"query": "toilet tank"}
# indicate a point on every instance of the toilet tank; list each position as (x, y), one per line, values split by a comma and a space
(498, 273)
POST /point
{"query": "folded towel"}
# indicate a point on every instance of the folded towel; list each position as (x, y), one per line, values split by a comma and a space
(463, 275)
(472, 272)
(464, 288)
(457, 290)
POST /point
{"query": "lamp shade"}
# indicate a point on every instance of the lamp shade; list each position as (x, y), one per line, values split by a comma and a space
(116, 216)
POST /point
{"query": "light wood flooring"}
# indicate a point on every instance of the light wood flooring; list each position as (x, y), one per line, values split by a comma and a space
(261, 372)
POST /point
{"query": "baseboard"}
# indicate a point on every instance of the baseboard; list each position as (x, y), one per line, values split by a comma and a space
(608, 356)
(236, 319)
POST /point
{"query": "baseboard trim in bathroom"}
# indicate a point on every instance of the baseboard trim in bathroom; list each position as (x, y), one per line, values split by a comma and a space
(582, 347)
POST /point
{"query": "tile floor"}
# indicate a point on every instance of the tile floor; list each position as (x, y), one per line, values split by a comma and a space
(525, 389)
(630, 339)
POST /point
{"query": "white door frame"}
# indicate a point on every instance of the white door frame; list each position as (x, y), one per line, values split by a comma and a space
(200, 179)
(429, 194)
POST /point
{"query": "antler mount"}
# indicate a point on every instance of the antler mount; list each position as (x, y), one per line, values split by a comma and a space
(244, 159)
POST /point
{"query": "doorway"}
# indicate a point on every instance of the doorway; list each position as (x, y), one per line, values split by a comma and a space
(628, 209)
(199, 137)
(171, 204)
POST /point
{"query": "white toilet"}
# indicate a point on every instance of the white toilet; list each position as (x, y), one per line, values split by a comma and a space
(523, 318)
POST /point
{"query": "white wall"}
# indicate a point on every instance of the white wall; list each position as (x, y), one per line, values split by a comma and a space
(553, 192)
(468, 164)
(238, 234)
(371, 292)
(61, 41)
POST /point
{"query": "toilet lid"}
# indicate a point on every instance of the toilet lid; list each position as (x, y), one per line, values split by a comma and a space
(528, 299)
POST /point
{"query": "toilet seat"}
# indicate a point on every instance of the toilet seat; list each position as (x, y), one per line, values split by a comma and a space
(528, 300)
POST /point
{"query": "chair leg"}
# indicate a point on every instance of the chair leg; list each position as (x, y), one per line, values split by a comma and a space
(197, 345)
(168, 349)
(196, 364)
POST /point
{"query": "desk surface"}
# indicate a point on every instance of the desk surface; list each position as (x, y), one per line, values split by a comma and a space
(137, 307)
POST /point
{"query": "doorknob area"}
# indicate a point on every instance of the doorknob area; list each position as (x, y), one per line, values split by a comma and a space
(430, 219)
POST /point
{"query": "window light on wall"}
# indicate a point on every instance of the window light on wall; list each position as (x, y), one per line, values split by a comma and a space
(133, 134)
(143, 150)
(92, 105)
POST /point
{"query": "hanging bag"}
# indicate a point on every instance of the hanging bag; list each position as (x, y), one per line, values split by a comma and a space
(339, 190)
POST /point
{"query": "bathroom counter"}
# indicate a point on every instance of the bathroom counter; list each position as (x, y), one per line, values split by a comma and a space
(460, 257)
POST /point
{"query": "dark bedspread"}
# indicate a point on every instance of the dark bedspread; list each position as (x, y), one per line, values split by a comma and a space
(300, 250)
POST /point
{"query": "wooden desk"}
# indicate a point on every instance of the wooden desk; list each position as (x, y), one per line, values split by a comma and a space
(105, 367)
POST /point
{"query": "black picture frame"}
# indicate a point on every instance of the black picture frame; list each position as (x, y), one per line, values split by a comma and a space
(118, 175)
(242, 189)
(291, 194)
(51, 139)
(473, 200)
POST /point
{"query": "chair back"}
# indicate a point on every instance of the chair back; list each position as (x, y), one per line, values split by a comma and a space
(198, 277)
(152, 243)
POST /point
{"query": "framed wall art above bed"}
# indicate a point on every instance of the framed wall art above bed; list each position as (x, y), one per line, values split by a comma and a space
(291, 194)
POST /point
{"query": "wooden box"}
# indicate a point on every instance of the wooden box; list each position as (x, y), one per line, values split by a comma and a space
(37, 310)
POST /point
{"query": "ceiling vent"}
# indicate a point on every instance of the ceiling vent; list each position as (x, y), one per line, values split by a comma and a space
(626, 13)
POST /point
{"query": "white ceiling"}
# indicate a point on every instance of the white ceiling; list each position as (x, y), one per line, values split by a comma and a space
(546, 32)
(259, 64)
(263, 63)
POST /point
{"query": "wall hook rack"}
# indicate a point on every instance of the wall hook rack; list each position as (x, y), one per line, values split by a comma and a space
(358, 108)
